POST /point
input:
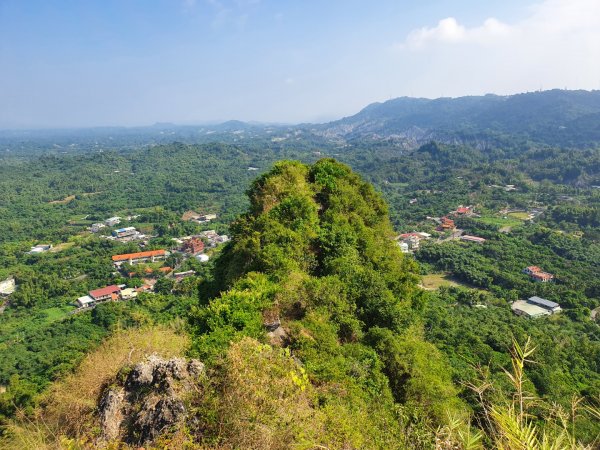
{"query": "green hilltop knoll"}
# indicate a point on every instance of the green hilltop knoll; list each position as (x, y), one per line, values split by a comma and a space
(310, 336)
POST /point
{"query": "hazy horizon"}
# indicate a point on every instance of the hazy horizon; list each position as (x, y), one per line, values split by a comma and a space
(209, 123)
(196, 62)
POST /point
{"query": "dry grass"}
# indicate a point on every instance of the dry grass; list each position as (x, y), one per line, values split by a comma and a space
(436, 280)
(68, 407)
(265, 403)
(519, 215)
(64, 201)
(61, 247)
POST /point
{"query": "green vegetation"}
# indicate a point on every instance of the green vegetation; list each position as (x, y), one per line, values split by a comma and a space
(381, 360)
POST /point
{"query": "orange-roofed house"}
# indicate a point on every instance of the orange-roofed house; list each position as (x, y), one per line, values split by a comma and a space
(464, 210)
(537, 274)
(139, 257)
(531, 270)
(446, 225)
(542, 277)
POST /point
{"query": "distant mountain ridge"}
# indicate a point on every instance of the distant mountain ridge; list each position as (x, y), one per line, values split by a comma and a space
(552, 117)
(555, 117)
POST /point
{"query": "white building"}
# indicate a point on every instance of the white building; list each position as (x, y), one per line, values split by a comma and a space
(112, 221)
(202, 258)
(96, 227)
(124, 232)
(7, 286)
(40, 248)
(128, 293)
(535, 307)
(85, 301)
(206, 218)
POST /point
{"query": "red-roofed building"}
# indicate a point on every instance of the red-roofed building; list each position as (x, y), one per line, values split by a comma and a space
(105, 293)
(193, 246)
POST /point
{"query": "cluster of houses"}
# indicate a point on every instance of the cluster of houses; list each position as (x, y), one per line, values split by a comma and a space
(447, 224)
(409, 242)
(535, 307)
(108, 293)
(537, 274)
(195, 245)
(121, 292)
(110, 222)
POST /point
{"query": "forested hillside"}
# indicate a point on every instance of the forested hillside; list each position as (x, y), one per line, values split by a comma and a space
(314, 332)
(550, 117)
(386, 347)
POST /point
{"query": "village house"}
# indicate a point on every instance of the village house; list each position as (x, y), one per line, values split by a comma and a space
(148, 285)
(202, 258)
(40, 248)
(537, 274)
(193, 246)
(446, 225)
(411, 240)
(139, 257)
(551, 306)
(96, 227)
(128, 294)
(535, 307)
(477, 240)
(404, 247)
(106, 293)
(206, 218)
(213, 238)
(7, 287)
(125, 232)
(112, 221)
(181, 275)
(464, 210)
(85, 301)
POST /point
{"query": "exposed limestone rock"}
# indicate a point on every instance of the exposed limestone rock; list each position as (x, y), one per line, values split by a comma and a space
(111, 413)
(149, 400)
(278, 337)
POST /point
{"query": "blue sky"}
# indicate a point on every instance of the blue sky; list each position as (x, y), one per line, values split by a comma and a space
(133, 62)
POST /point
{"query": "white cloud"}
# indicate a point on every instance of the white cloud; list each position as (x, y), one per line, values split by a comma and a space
(450, 31)
(557, 44)
(552, 20)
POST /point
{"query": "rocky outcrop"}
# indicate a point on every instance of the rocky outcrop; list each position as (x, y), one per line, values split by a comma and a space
(147, 399)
